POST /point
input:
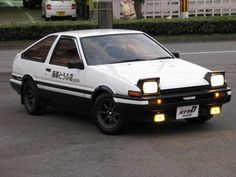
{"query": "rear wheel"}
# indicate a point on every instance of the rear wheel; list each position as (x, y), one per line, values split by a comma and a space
(25, 4)
(43, 14)
(31, 5)
(107, 115)
(33, 102)
(73, 18)
(198, 120)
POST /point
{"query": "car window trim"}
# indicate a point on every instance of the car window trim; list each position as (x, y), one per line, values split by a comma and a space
(65, 37)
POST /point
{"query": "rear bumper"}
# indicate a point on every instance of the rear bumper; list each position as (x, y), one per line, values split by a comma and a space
(56, 14)
(170, 103)
(16, 85)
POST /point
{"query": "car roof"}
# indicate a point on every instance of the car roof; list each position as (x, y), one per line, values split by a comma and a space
(97, 32)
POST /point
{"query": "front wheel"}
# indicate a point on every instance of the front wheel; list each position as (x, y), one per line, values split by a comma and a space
(106, 115)
(33, 102)
(199, 120)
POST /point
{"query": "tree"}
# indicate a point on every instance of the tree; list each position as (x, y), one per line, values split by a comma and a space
(138, 8)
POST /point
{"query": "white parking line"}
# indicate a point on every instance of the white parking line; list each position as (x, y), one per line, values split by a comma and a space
(209, 52)
(30, 17)
(10, 3)
(18, 6)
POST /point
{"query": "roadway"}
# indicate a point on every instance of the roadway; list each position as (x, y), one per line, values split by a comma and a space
(12, 12)
(63, 144)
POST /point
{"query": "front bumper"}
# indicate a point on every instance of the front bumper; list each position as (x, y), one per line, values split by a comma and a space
(171, 101)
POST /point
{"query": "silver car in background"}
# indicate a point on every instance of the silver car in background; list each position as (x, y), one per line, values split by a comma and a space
(59, 9)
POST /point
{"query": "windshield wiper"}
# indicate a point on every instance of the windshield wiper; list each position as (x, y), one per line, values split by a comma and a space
(141, 59)
(130, 60)
(161, 58)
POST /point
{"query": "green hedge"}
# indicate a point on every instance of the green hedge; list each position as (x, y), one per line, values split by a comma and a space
(203, 25)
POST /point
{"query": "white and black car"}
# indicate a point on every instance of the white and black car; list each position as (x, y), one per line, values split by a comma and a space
(118, 76)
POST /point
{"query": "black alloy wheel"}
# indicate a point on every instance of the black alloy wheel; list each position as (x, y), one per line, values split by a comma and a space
(33, 103)
(106, 115)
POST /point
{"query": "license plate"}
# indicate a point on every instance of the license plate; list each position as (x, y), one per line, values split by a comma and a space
(60, 13)
(185, 112)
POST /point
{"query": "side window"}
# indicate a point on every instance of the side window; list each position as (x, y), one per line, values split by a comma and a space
(64, 52)
(39, 51)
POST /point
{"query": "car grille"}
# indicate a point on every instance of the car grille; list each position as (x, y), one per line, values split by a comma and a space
(184, 90)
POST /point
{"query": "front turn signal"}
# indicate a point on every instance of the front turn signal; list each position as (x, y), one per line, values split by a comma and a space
(134, 93)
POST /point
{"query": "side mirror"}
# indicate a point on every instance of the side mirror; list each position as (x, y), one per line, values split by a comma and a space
(78, 64)
(176, 54)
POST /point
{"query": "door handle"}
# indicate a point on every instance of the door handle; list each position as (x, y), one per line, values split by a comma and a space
(48, 69)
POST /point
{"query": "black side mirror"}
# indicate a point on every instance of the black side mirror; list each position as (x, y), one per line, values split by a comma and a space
(78, 64)
(176, 54)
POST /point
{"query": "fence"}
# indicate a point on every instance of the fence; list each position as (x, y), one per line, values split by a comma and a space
(170, 8)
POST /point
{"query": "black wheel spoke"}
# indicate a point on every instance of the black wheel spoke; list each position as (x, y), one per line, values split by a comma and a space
(106, 118)
(106, 106)
(104, 112)
(114, 120)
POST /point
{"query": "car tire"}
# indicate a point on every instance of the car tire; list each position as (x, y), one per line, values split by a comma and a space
(42, 14)
(34, 104)
(199, 120)
(25, 4)
(106, 115)
(31, 5)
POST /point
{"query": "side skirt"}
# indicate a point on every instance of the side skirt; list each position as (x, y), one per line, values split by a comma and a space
(71, 102)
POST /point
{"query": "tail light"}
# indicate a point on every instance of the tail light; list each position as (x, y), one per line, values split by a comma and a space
(73, 6)
(49, 7)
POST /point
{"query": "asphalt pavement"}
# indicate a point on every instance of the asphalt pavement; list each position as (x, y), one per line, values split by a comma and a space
(12, 12)
(65, 144)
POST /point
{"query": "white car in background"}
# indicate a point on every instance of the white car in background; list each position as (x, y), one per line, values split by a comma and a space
(59, 9)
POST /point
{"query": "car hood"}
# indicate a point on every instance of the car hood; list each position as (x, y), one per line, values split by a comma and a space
(173, 73)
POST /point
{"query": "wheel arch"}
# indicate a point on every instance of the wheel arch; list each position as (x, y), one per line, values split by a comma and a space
(25, 78)
(100, 90)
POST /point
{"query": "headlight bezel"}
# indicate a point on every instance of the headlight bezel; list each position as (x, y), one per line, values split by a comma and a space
(209, 75)
(142, 81)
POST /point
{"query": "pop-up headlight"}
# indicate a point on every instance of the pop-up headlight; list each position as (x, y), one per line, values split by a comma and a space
(216, 78)
(149, 86)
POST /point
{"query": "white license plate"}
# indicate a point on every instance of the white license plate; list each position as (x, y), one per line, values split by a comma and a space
(185, 112)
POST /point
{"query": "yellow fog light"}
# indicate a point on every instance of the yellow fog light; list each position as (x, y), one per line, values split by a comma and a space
(159, 117)
(215, 110)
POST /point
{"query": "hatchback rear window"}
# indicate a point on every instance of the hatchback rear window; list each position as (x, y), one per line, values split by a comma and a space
(39, 51)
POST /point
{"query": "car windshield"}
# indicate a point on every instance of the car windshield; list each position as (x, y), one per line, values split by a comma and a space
(121, 48)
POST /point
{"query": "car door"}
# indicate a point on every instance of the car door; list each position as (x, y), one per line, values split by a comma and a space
(65, 86)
